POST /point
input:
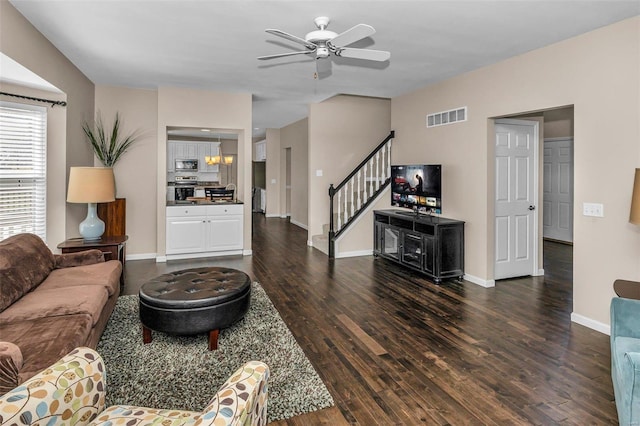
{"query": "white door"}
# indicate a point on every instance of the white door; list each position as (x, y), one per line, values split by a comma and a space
(516, 174)
(558, 189)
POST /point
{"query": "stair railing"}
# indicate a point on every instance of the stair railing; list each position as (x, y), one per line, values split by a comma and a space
(354, 194)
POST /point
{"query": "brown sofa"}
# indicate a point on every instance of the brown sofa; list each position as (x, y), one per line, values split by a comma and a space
(50, 304)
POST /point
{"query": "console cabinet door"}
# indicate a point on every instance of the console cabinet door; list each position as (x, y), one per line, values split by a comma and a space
(224, 232)
(186, 234)
(429, 264)
(412, 249)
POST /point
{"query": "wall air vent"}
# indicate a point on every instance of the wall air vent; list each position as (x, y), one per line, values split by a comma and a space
(447, 117)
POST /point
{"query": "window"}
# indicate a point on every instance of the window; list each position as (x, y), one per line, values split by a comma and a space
(23, 169)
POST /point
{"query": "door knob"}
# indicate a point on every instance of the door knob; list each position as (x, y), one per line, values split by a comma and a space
(532, 207)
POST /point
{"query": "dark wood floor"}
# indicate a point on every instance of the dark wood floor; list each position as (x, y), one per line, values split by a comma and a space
(393, 348)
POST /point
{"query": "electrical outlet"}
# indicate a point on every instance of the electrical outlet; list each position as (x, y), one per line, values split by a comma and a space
(593, 209)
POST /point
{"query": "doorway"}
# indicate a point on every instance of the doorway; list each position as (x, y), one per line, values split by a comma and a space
(556, 125)
(287, 181)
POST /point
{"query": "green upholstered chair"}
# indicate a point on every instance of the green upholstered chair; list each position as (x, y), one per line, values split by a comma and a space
(625, 358)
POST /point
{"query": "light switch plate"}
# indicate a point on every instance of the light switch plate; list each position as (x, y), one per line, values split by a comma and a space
(593, 209)
(319, 172)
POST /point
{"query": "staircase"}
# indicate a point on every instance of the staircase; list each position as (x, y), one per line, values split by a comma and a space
(354, 195)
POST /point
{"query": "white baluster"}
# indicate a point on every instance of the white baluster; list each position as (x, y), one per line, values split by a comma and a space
(383, 167)
(389, 158)
(346, 204)
(351, 194)
(378, 170)
(365, 182)
(359, 174)
(371, 190)
(339, 224)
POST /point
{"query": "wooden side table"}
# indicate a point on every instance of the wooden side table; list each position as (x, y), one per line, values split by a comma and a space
(627, 289)
(112, 247)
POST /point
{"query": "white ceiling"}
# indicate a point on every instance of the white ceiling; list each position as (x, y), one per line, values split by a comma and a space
(211, 44)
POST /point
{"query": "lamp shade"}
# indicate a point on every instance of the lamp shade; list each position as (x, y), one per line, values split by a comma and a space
(91, 185)
(634, 215)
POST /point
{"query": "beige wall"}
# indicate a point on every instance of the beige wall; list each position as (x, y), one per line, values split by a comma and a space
(274, 174)
(597, 73)
(296, 137)
(219, 111)
(136, 172)
(343, 130)
(23, 43)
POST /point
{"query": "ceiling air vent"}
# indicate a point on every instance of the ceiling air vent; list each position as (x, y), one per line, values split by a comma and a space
(447, 117)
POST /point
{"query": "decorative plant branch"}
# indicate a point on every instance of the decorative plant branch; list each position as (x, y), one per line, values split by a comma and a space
(109, 148)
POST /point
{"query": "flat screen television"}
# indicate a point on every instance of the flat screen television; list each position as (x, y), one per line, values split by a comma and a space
(418, 187)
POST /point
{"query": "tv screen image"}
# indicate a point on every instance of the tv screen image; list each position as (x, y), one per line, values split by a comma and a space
(417, 187)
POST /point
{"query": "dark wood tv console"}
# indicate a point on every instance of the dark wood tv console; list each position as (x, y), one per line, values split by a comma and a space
(429, 244)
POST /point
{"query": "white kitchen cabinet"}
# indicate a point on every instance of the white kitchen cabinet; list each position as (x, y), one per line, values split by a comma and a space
(204, 230)
(186, 233)
(260, 151)
(225, 229)
(208, 149)
(181, 150)
(171, 157)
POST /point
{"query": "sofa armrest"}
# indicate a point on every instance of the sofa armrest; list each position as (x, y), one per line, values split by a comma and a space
(625, 317)
(81, 258)
(10, 365)
(242, 400)
(71, 391)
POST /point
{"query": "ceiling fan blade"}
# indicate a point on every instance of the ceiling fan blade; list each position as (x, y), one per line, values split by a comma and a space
(291, 37)
(368, 54)
(282, 55)
(352, 35)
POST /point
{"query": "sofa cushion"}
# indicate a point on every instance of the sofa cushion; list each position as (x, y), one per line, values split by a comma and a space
(106, 274)
(82, 299)
(25, 261)
(43, 339)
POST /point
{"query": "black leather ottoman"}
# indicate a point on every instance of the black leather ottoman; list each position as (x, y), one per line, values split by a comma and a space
(193, 301)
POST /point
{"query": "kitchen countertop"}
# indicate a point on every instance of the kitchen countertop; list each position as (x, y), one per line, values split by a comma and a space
(201, 203)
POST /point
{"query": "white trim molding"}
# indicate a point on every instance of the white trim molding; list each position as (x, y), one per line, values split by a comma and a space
(301, 225)
(480, 281)
(142, 256)
(355, 253)
(590, 323)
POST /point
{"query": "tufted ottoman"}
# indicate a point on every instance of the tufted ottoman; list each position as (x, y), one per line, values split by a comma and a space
(193, 301)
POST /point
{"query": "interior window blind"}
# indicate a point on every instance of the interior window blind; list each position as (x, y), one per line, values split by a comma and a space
(23, 169)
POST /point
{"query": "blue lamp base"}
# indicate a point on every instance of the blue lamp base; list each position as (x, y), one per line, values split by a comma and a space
(92, 227)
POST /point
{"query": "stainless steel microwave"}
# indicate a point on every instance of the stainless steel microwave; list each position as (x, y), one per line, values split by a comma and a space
(186, 165)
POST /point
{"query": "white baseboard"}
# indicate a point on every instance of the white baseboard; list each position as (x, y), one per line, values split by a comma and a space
(355, 253)
(479, 281)
(200, 255)
(301, 225)
(540, 273)
(141, 256)
(161, 259)
(592, 324)
(273, 215)
(247, 252)
(309, 243)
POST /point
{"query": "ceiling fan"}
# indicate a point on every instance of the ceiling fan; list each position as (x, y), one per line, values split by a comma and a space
(322, 42)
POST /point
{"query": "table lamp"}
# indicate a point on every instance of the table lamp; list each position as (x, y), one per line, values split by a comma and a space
(634, 215)
(91, 185)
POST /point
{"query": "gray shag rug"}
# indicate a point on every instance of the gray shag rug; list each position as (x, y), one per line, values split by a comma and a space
(179, 372)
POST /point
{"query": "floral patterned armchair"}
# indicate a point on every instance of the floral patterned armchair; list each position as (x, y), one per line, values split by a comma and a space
(72, 392)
